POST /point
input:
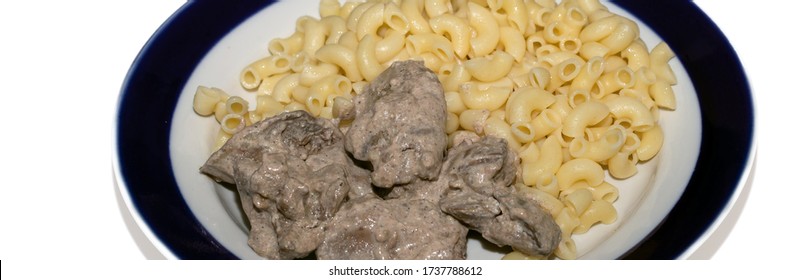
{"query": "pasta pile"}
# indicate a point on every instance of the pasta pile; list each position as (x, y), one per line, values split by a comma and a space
(570, 86)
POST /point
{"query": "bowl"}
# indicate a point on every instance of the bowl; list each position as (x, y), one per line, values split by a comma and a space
(665, 211)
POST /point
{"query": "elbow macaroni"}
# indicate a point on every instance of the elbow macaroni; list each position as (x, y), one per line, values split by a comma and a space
(489, 69)
(458, 30)
(570, 86)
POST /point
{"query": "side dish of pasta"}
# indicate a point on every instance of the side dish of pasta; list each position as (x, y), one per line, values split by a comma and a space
(571, 87)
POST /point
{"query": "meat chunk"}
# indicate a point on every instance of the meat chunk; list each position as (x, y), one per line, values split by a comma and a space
(480, 194)
(399, 125)
(475, 187)
(273, 164)
(403, 229)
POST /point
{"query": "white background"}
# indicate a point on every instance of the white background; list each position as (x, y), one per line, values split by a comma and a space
(62, 64)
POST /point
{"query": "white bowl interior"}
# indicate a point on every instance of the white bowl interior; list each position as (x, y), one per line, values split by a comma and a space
(645, 199)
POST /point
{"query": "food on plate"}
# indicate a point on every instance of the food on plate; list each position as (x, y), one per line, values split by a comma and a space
(398, 125)
(302, 193)
(569, 86)
(292, 176)
(481, 194)
(402, 228)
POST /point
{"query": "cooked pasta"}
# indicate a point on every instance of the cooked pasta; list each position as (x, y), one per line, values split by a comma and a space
(458, 30)
(570, 86)
(206, 99)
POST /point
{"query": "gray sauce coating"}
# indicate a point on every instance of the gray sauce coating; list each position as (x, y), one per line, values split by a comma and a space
(399, 125)
(304, 195)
